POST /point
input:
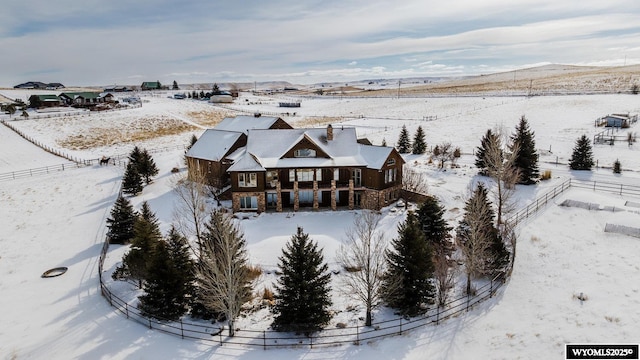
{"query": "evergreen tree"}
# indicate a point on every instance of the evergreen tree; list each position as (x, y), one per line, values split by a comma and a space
(419, 143)
(146, 166)
(407, 283)
(215, 89)
(202, 94)
(617, 169)
(135, 156)
(526, 157)
(384, 142)
(180, 253)
(175, 86)
(490, 139)
(120, 224)
(434, 226)
(582, 158)
(165, 289)
(192, 141)
(302, 292)
(404, 144)
(146, 236)
(222, 270)
(131, 181)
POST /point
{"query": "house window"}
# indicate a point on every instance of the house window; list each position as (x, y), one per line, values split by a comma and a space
(356, 175)
(247, 180)
(272, 200)
(390, 175)
(391, 162)
(248, 202)
(272, 178)
(305, 197)
(304, 153)
(305, 174)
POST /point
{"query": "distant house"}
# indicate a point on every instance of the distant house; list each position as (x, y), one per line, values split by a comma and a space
(116, 89)
(39, 85)
(41, 101)
(84, 98)
(210, 156)
(151, 85)
(286, 168)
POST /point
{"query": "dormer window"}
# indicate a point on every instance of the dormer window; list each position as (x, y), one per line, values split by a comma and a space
(304, 153)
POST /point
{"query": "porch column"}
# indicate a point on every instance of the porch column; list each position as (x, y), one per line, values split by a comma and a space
(296, 196)
(333, 195)
(315, 195)
(351, 195)
(278, 197)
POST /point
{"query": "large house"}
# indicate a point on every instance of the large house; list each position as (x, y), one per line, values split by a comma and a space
(211, 155)
(288, 169)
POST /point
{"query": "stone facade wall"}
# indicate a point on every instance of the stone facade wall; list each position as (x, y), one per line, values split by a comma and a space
(260, 195)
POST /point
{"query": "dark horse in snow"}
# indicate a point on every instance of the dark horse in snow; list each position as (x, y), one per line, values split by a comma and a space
(104, 161)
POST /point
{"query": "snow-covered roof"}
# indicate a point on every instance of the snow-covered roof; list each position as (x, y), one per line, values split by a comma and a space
(244, 123)
(214, 144)
(266, 149)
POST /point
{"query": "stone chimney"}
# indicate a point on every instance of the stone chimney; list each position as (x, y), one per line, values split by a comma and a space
(329, 132)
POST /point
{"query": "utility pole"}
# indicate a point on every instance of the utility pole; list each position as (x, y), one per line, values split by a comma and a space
(398, 89)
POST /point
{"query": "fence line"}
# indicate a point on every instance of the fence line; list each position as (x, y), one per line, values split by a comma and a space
(13, 175)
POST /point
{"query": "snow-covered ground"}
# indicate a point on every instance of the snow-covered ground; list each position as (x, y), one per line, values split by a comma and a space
(58, 220)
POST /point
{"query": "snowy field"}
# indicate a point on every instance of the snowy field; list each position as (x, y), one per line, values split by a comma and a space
(59, 220)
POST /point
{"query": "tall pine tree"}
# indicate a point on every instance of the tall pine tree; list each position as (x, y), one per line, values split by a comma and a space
(582, 158)
(407, 283)
(488, 141)
(131, 181)
(302, 292)
(404, 143)
(434, 226)
(146, 235)
(120, 224)
(419, 143)
(146, 166)
(165, 287)
(526, 157)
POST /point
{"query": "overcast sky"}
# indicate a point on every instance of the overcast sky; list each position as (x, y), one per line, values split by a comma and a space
(306, 41)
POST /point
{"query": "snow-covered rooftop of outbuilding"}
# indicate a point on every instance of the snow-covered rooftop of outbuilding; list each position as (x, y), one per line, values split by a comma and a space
(244, 123)
(213, 144)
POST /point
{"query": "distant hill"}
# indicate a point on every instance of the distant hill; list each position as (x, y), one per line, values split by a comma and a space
(542, 80)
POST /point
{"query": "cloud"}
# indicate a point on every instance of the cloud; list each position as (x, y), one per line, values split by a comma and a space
(102, 43)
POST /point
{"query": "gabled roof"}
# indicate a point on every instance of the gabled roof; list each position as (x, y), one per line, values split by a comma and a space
(151, 84)
(214, 144)
(48, 98)
(82, 94)
(244, 123)
(266, 149)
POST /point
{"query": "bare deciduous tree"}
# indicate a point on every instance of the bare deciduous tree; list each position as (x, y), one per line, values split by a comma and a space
(191, 209)
(222, 271)
(414, 183)
(472, 235)
(500, 166)
(445, 273)
(444, 154)
(363, 257)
